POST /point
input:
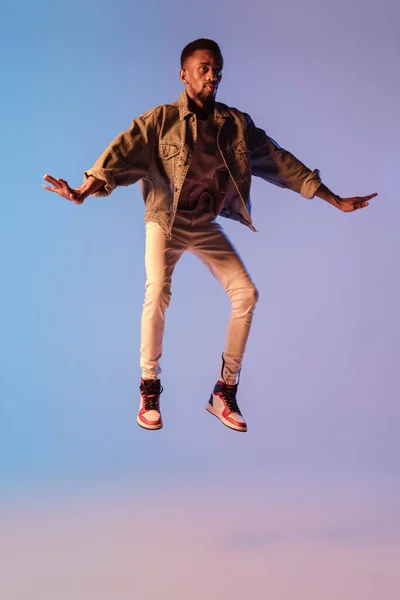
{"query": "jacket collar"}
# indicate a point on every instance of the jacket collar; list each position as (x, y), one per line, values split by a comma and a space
(184, 110)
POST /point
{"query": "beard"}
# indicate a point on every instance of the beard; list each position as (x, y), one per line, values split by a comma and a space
(206, 95)
(202, 92)
(201, 100)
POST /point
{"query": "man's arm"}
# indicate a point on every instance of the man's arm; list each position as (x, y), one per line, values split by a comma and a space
(278, 166)
(126, 160)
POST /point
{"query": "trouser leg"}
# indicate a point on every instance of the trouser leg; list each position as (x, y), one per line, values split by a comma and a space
(161, 256)
(214, 248)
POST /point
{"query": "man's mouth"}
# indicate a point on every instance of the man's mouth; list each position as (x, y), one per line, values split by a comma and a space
(211, 86)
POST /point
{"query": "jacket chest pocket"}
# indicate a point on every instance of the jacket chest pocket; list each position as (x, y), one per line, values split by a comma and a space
(168, 153)
(241, 156)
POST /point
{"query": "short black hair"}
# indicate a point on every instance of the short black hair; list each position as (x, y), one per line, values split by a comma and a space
(201, 44)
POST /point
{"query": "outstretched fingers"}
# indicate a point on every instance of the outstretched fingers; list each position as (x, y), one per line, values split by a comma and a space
(364, 201)
(51, 189)
(61, 187)
(58, 184)
(50, 179)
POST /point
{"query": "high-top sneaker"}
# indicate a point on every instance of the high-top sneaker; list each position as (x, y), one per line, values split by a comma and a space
(222, 404)
(149, 415)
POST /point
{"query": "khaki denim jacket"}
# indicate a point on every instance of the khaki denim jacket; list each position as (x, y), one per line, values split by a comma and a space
(158, 147)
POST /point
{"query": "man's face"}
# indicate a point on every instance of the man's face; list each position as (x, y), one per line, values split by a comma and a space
(202, 75)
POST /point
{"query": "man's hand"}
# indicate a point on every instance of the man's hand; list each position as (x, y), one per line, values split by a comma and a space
(351, 204)
(343, 204)
(77, 195)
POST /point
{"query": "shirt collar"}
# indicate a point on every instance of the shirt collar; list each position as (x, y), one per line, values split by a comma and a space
(184, 110)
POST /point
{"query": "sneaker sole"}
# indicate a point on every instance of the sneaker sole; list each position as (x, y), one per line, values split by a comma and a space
(212, 411)
(151, 427)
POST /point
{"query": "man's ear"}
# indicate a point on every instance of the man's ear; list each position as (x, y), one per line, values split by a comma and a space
(183, 76)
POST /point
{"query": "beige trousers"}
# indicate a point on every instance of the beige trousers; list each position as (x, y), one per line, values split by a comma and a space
(206, 239)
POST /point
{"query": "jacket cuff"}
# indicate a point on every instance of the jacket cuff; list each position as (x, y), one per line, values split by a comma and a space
(103, 175)
(311, 184)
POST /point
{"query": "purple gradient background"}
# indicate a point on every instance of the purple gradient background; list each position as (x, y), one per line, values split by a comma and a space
(306, 505)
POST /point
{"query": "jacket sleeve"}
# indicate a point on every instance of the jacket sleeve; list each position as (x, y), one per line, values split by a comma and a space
(126, 159)
(278, 166)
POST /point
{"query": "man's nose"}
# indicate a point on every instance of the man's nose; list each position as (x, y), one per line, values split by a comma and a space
(212, 76)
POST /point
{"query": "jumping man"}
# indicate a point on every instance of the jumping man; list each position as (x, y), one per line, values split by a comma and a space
(194, 159)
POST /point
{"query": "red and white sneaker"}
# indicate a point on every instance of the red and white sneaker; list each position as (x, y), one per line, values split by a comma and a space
(222, 404)
(149, 415)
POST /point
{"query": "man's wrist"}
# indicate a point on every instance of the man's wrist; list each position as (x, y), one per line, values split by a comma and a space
(326, 194)
(91, 185)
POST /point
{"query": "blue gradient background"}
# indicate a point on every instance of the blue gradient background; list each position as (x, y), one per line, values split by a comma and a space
(306, 504)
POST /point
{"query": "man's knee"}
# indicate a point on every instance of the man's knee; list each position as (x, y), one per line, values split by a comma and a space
(158, 292)
(245, 296)
(253, 295)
